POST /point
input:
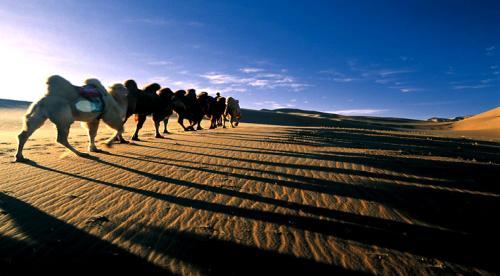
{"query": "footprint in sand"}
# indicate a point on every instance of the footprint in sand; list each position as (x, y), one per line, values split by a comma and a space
(97, 220)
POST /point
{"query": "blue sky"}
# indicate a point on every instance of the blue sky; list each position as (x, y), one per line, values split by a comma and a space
(414, 59)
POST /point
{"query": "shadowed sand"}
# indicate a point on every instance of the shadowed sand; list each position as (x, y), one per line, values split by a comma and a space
(282, 193)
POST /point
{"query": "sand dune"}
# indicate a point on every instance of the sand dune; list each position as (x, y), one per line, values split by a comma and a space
(489, 120)
(282, 193)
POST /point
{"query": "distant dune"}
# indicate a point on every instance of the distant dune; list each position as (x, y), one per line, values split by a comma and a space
(489, 120)
(4, 103)
(297, 117)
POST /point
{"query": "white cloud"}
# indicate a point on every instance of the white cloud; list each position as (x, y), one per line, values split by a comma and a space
(160, 63)
(406, 89)
(476, 86)
(259, 80)
(231, 89)
(162, 80)
(150, 21)
(343, 79)
(337, 76)
(274, 104)
(251, 70)
(490, 50)
(385, 73)
(259, 83)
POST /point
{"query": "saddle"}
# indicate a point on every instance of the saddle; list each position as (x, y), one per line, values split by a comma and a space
(93, 99)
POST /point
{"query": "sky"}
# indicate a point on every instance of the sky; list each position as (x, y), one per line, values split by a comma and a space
(412, 59)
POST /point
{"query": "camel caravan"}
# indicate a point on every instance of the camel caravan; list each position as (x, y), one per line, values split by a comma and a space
(65, 103)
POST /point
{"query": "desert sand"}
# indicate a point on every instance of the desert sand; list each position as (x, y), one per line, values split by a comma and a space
(287, 191)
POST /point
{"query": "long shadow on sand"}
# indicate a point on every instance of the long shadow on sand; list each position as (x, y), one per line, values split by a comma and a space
(56, 246)
(427, 168)
(362, 139)
(429, 172)
(453, 209)
(419, 240)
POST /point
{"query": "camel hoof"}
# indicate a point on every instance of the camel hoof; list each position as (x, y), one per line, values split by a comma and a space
(166, 132)
(84, 155)
(20, 159)
(135, 139)
(159, 136)
(123, 141)
(98, 150)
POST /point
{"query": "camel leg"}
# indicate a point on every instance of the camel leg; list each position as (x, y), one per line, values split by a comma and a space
(116, 123)
(31, 123)
(92, 129)
(192, 123)
(191, 126)
(62, 138)
(199, 125)
(60, 114)
(157, 118)
(180, 120)
(140, 123)
(157, 127)
(213, 122)
(224, 121)
(165, 123)
(120, 135)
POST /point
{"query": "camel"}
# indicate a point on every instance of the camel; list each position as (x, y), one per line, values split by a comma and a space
(233, 111)
(219, 110)
(211, 107)
(186, 107)
(64, 104)
(148, 101)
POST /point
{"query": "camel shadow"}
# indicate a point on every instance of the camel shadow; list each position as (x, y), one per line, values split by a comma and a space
(53, 245)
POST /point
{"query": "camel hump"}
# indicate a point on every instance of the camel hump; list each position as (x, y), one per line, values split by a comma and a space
(152, 88)
(203, 94)
(97, 84)
(131, 85)
(61, 87)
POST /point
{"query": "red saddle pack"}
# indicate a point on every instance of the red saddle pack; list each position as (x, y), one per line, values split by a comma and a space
(89, 91)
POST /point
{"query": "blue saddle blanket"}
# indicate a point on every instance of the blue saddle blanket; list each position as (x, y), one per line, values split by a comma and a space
(92, 99)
